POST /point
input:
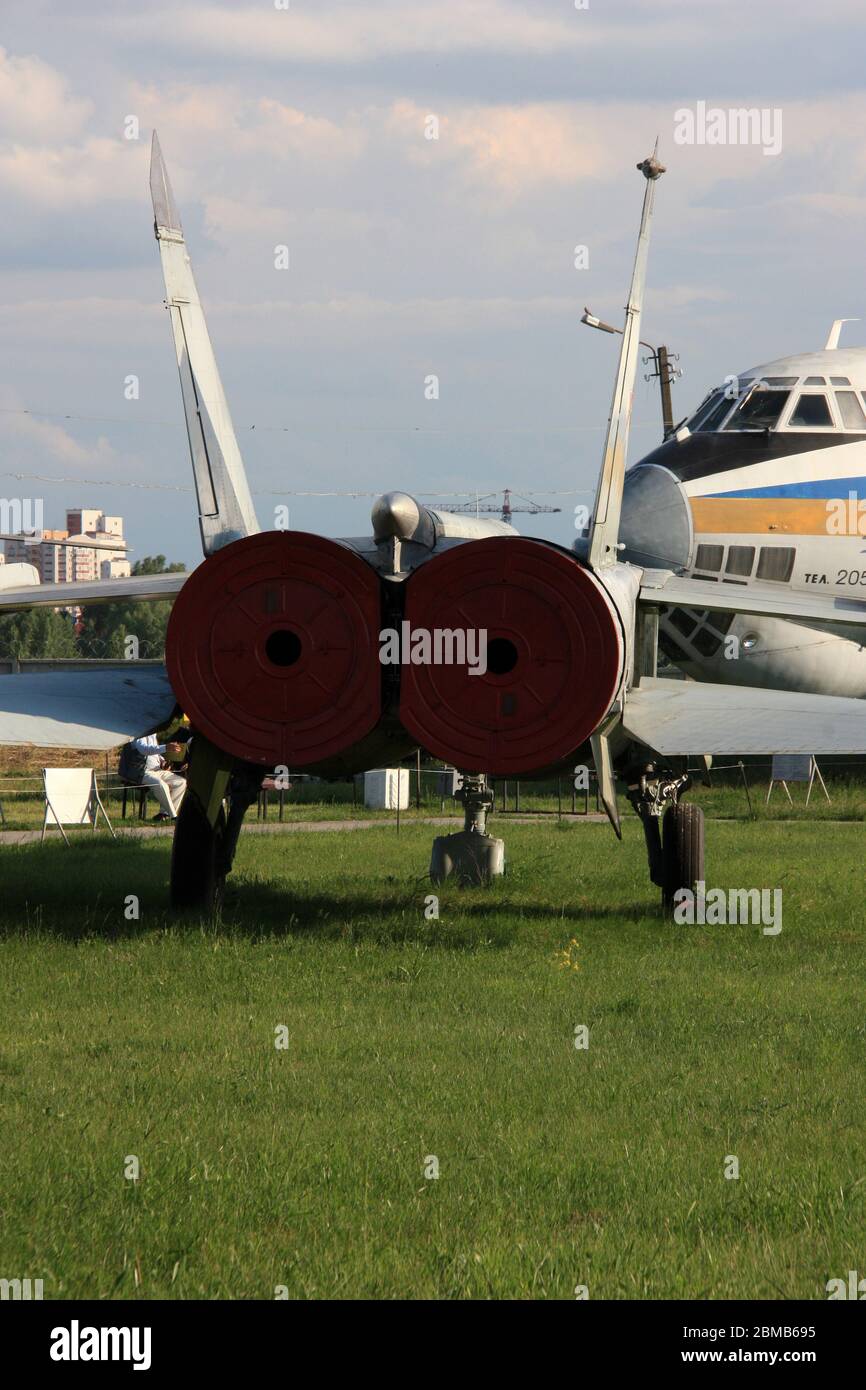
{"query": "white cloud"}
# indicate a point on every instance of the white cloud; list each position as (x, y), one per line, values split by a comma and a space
(45, 439)
(353, 33)
(99, 170)
(35, 102)
(66, 319)
(365, 314)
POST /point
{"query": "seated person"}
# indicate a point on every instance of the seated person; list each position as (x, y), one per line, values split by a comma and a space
(142, 764)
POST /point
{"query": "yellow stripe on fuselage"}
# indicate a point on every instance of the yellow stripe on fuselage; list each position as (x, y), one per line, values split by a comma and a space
(791, 516)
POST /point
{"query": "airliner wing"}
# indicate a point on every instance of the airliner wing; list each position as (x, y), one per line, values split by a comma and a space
(663, 587)
(678, 718)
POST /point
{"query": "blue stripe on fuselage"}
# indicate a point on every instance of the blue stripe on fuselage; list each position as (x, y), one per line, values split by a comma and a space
(828, 487)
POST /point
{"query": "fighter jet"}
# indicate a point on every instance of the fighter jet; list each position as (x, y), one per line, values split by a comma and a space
(276, 643)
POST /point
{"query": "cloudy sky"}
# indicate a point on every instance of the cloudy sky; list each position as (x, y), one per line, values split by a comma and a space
(306, 127)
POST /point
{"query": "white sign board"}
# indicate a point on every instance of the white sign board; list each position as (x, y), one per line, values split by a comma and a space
(68, 792)
(792, 767)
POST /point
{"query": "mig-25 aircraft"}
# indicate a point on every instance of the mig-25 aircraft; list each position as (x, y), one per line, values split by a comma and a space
(275, 643)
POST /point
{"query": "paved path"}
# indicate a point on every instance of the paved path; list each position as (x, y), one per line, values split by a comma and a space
(26, 837)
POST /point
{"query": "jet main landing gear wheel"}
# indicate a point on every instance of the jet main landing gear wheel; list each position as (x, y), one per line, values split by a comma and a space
(674, 830)
(682, 850)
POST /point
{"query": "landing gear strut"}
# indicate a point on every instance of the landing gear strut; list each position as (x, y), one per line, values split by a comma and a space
(208, 825)
(198, 868)
(674, 830)
(471, 856)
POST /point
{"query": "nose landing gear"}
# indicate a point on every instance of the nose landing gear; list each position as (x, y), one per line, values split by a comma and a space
(471, 856)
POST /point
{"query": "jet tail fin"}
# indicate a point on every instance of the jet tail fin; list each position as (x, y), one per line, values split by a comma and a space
(225, 505)
(604, 527)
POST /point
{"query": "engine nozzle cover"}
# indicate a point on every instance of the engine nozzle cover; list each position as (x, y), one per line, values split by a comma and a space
(273, 648)
(555, 654)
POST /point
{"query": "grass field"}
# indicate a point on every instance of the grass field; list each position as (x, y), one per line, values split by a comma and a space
(23, 805)
(411, 1038)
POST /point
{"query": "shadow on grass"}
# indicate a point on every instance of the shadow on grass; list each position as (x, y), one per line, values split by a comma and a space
(117, 890)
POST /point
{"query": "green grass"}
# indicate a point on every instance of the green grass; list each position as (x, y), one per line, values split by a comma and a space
(318, 801)
(410, 1038)
(22, 802)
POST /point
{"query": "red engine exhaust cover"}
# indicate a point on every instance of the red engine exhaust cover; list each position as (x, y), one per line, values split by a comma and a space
(554, 656)
(273, 648)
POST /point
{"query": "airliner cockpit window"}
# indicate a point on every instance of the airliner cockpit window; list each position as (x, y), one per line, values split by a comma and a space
(707, 416)
(851, 410)
(811, 412)
(760, 410)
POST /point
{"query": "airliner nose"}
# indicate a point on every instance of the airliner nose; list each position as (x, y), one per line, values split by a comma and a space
(655, 528)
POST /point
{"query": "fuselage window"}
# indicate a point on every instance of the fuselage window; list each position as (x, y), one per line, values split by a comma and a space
(811, 412)
(759, 411)
(740, 560)
(815, 381)
(851, 410)
(709, 557)
(776, 562)
(839, 381)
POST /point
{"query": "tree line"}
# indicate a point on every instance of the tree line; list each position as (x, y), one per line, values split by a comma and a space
(103, 629)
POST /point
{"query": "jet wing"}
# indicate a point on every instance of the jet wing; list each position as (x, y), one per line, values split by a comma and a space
(140, 588)
(83, 709)
(678, 718)
(663, 587)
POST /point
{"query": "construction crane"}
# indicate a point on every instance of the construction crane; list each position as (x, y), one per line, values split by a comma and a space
(504, 508)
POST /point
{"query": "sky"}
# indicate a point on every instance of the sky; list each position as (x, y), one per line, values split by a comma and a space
(305, 124)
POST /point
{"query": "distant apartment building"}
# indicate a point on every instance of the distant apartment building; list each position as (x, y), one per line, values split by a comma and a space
(93, 548)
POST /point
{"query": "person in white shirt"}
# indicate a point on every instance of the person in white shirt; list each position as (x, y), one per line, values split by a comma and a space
(167, 786)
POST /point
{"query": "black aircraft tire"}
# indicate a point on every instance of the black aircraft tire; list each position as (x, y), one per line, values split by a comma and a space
(683, 850)
(197, 863)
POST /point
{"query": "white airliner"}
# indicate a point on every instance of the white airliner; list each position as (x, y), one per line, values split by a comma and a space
(765, 484)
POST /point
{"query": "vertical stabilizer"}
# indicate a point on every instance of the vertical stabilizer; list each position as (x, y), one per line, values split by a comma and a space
(225, 506)
(604, 527)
